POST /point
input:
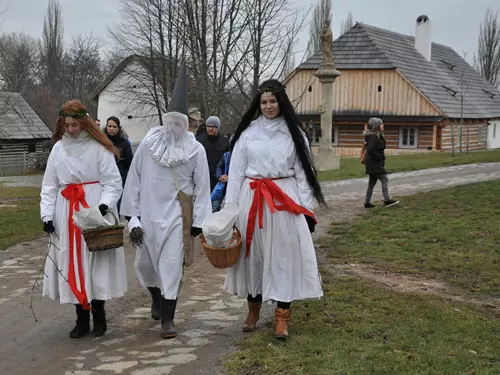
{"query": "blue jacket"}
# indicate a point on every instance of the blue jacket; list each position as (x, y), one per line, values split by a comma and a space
(222, 169)
(223, 166)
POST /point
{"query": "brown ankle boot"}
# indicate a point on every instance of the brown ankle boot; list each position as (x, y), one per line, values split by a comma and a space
(252, 316)
(281, 317)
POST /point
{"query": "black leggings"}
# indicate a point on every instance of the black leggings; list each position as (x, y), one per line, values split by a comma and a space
(258, 298)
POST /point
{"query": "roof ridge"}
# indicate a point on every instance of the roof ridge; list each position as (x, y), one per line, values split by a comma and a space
(400, 34)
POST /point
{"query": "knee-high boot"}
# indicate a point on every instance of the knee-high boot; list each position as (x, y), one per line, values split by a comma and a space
(99, 315)
(168, 307)
(156, 304)
(82, 323)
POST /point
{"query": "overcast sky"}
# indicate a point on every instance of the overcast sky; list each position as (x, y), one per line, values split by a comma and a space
(454, 22)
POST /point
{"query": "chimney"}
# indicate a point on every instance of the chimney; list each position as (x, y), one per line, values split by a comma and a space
(423, 43)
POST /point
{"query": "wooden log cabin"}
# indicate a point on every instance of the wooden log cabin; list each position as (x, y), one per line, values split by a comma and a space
(22, 135)
(425, 93)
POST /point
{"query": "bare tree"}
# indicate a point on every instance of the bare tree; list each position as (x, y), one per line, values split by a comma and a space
(82, 68)
(149, 29)
(274, 26)
(347, 24)
(487, 60)
(289, 57)
(322, 13)
(19, 62)
(215, 33)
(464, 87)
(53, 48)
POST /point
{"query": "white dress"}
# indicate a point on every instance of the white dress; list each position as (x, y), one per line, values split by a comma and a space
(150, 193)
(282, 262)
(74, 161)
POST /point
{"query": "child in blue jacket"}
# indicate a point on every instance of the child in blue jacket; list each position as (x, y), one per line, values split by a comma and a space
(219, 191)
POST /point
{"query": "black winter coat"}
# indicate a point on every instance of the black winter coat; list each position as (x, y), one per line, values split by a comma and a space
(215, 148)
(375, 155)
(123, 163)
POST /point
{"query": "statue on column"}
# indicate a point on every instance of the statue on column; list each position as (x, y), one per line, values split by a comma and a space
(326, 43)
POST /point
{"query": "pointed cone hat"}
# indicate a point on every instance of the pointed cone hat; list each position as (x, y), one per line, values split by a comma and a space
(179, 99)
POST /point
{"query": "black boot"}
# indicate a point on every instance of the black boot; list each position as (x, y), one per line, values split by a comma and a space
(167, 318)
(99, 315)
(82, 323)
(156, 305)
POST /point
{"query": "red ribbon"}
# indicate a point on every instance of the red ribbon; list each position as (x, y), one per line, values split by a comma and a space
(76, 196)
(266, 190)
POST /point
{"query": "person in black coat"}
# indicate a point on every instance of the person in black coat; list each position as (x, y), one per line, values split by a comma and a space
(216, 145)
(116, 135)
(375, 162)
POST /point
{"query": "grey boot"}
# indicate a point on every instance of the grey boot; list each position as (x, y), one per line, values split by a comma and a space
(167, 318)
(156, 305)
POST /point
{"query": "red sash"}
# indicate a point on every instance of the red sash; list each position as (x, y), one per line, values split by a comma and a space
(266, 190)
(76, 196)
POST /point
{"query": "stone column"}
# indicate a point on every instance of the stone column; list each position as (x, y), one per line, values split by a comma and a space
(326, 159)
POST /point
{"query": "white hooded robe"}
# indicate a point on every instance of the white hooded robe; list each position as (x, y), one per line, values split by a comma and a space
(150, 193)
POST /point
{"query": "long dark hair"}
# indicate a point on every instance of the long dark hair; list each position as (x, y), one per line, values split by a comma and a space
(294, 126)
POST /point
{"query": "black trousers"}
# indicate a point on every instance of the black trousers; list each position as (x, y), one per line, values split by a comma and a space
(258, 298)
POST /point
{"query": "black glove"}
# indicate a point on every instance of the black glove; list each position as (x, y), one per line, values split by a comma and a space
(310, 223)
(195, 232)
(48, 227)
(103, 208)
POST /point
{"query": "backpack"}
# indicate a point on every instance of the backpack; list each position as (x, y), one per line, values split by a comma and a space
(362, 157)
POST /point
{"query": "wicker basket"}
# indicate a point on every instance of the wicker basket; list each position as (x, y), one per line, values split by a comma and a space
(223, 257)
(104, 238)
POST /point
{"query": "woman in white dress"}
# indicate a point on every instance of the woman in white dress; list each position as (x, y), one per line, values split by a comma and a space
(81, 172)
(273, 181)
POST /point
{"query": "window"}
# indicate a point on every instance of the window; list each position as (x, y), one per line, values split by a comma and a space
(380, 88)
(495, 130)
(31, 148)
(310, 89)
(316, 135)
(335, 135)
(129, 117)
(408, 137)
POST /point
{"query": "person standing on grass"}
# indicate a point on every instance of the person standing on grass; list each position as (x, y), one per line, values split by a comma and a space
(375, 162)
(273, 182)
(81, 172)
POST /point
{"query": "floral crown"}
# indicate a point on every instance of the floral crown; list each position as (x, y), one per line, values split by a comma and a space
(272, 89)
(78, 114)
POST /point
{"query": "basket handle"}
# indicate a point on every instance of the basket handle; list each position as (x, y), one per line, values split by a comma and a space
(114, 216)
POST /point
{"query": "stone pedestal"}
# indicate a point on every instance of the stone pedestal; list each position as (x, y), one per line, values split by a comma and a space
(326, 159)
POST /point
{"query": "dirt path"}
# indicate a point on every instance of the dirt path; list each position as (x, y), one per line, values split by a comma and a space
(208, 321)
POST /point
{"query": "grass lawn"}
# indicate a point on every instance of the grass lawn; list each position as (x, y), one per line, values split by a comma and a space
(352, 168)
(360, 328)
(452, 235)
(363, 328)
(21, 222)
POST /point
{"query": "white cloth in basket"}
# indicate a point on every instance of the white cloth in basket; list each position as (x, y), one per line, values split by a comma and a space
(218, 227)
(90, 218)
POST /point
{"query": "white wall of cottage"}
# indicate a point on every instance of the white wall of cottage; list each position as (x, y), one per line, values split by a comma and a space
(494, 134)
(120, 98)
